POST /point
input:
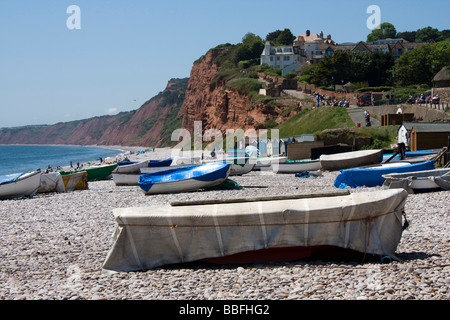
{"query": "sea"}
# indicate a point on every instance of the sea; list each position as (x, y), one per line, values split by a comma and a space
(25, 158)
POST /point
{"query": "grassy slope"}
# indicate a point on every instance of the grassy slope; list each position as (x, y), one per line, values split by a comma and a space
(316, 120)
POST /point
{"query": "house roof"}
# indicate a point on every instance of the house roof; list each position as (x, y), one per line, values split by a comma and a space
(443, 75)
(428, 126)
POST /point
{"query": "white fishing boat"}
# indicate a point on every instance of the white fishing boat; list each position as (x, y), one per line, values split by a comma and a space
(352, 159)
(131, 167)
(239, 165)
(419, 181)
(20, 185)
(256, 230)
(51, 182)
(266, 162)
(297, 166)
(185, 178)
(126, 179)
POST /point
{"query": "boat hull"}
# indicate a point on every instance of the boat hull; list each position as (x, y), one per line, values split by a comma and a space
(131, 168)
(149, 237)
(297, 166)
(353, 159)
(75, 181)
(373, 176)
(51, 182)
(24, 186)
(419, 181)
(125, 179)
(184, 179)
(239, 165)
(95, 173)
(266, 162)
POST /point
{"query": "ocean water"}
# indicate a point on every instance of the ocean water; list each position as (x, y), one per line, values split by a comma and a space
(21, 158)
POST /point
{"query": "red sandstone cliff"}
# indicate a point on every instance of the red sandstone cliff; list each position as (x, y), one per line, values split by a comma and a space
(221, 107)
(147, 126)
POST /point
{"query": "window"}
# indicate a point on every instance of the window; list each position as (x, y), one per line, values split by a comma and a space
(278, 58)
(286, 58)
(271, 58)
(319, 53)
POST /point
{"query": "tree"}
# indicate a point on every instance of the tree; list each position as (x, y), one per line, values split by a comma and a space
(408, 35)
(285, 37)
(445, 35)
(428, 34)
(335, 68)
(380, 68)
(420, 65)
(250, 48)
(272, 36)
(360, 63)
(385, 30)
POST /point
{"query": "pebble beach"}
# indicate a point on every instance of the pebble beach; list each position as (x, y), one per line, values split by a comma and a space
(53, 245)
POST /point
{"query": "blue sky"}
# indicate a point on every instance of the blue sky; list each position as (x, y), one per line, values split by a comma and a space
(126, 51)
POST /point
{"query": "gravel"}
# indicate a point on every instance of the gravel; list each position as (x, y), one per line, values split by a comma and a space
(52, 247)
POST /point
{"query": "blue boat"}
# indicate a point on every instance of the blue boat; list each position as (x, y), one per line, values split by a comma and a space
(186, 178)
(160, 163)
(373, 176)
(411, 154)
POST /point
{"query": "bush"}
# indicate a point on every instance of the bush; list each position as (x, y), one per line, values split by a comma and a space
(244, 85)
(290, 75)
(374, 89)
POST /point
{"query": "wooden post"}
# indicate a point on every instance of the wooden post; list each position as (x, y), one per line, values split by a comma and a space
(447, 154)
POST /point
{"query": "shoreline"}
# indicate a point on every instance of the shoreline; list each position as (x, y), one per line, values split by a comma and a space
(54, 246)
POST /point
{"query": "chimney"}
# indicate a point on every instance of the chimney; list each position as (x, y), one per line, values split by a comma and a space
(329, 37)
(308, 33)
(321, 34)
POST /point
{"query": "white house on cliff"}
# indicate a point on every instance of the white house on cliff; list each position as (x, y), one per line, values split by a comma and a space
(286, 58)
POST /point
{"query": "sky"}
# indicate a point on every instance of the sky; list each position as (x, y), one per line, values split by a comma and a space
(59, 65)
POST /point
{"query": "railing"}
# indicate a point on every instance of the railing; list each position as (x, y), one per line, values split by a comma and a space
(438, 106)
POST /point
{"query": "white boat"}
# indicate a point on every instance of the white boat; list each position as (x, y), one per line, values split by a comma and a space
(419, 181)
(239, 165)
(51, 182)
(126, 179)
(186, 178)
(253, 231)
(297, 166)
(266, 162)
(20, 185)
(132, 167)
(352, 159)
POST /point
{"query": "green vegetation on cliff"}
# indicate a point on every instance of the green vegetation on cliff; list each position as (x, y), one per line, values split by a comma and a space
(316, 120)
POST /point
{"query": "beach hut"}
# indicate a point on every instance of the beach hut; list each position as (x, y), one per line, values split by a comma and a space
(262, 146)
(431, 135)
